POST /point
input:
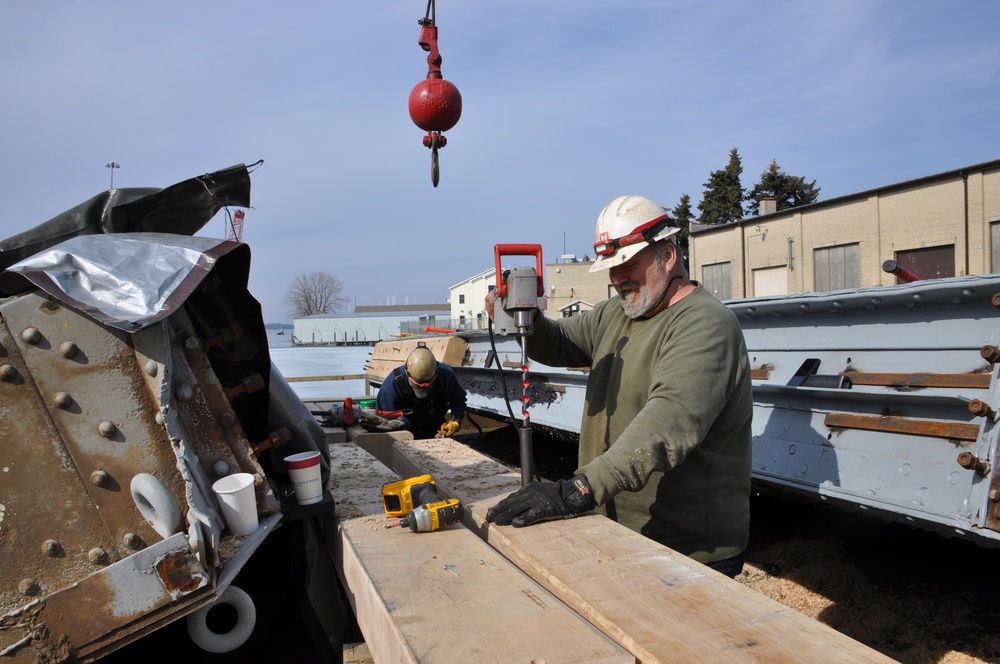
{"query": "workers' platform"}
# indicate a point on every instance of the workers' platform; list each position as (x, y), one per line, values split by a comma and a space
(579, 590)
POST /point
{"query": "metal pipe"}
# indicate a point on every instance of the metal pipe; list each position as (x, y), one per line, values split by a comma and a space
(527, 459)
(892, 267)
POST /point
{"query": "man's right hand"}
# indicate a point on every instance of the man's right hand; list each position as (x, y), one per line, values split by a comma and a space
(491, 299)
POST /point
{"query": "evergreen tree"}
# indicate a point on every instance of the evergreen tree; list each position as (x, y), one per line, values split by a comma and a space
(723, 199)
(682, 216)
(788, 190)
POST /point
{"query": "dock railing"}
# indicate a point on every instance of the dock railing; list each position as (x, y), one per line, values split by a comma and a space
(322, 379)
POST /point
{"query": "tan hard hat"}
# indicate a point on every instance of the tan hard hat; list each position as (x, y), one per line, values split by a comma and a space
(421, 364)
(626, 226)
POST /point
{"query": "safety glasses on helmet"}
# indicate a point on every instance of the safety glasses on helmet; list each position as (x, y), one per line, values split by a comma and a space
(644, 233)
(422, 386)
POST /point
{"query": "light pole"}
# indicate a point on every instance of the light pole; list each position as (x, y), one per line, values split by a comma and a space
(112, 165)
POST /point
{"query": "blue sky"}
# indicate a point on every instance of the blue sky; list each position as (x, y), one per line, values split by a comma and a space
(566, 105)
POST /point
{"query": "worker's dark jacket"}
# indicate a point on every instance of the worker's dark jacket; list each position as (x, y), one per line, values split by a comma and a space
(427, 417)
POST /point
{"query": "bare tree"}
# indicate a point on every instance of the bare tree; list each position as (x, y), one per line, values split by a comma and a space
(315, 293)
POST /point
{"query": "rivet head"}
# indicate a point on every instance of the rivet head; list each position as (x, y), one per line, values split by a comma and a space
(220, 468)
(51, 548)
(100, 477)
(107, 429)
(31, 335)
(8, 372)
(184, 392)
(97, 555)
(62, 399)
(132, 541)
(191, 343)
(68, 349)
(28, 587)
(151, 367)
(227, 419)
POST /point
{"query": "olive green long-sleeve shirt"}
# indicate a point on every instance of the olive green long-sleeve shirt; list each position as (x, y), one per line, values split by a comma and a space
(665, 440)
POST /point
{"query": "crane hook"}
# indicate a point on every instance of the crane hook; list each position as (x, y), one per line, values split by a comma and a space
(435, 104)
(435, 140)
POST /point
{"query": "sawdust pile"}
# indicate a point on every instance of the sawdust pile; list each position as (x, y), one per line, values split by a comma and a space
(915, 596)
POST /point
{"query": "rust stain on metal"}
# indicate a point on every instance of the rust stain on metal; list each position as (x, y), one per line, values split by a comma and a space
(180, 573)
(893, 424)
(978, 381)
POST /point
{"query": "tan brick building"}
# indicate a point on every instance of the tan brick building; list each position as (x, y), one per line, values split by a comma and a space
(937, 226)
(571, 288)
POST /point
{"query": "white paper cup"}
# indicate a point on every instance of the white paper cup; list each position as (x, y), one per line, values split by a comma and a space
(239, 505)
(304, 470)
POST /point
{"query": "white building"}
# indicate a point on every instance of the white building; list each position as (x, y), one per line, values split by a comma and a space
(468, 311)
(367, 325)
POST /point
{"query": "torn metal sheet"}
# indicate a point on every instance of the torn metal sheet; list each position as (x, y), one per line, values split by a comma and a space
(129, 281)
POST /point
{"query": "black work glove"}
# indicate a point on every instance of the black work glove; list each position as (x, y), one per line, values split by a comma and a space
(543, 502)
(379, 424)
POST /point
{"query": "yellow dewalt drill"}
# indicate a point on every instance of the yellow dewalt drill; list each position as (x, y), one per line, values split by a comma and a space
(417, 502)
(399, 498)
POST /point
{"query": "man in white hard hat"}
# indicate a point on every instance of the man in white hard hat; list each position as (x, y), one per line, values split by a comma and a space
(427, 392)
(665, 443)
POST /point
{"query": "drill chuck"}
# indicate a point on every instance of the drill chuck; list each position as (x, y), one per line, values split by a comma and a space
(434, 516)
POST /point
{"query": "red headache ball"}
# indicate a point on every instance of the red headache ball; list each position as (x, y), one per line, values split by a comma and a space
(435, 105)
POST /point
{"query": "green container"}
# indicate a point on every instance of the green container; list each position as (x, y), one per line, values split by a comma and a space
(368, 404)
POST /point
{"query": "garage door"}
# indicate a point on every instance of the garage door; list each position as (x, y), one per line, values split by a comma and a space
(770, 281)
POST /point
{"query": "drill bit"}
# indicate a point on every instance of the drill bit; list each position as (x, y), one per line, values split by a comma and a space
(524, 433)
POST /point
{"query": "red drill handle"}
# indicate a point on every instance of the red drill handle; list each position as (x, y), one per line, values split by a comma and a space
(518, 250)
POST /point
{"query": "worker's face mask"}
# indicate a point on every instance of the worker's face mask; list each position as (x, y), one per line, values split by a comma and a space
(421, 390)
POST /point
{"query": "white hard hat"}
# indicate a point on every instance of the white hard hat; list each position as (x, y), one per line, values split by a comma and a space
(626, 226)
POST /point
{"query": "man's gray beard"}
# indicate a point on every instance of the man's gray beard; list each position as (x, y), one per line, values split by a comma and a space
(636, 308)
(645, 301)
(421, 393)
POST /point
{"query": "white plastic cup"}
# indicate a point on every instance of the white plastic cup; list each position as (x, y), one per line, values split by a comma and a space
(239, 505)
(304, 470)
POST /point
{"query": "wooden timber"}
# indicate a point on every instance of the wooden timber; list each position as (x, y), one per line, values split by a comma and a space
(659, 605)
(387, 355)
(446, 596)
